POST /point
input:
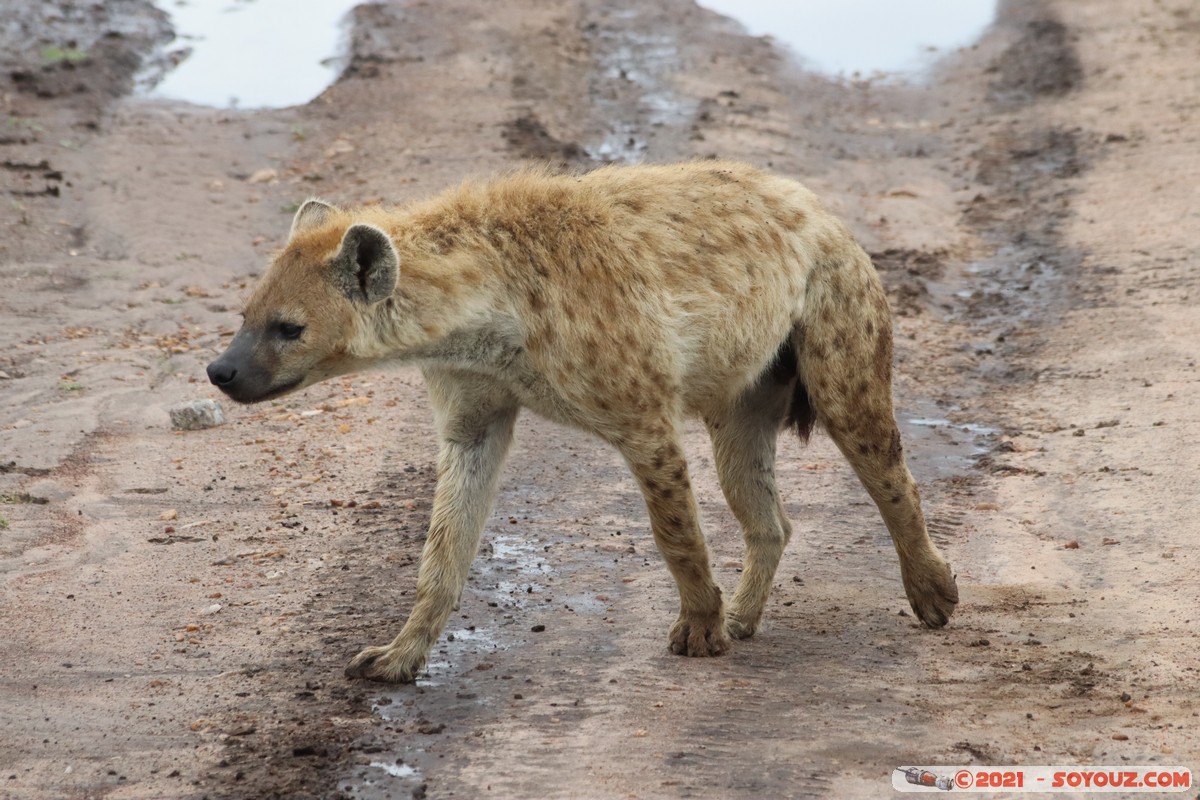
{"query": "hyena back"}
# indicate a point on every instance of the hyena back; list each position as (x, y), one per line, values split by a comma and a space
(620, 302)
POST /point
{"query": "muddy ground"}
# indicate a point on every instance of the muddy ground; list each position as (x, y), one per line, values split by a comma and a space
(177, 607)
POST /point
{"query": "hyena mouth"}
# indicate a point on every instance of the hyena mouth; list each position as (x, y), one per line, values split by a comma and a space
(279, 391)
(240, 394)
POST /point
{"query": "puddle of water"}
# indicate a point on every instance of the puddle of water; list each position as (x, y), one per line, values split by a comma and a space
(863, 38)
(938, 448)
(639, 59)
(397, 779)
(395, 770)
(253, 53)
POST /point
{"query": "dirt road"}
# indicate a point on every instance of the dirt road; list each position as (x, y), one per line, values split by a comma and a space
(177, 607)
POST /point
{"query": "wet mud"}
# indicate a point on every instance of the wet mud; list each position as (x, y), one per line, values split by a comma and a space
(179, 606)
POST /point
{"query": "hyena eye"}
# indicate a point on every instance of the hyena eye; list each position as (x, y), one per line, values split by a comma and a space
(289, 330)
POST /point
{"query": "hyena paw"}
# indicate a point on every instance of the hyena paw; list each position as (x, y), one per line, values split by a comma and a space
(741, 624)
(699, 635)
(933, 594)
(383, 664)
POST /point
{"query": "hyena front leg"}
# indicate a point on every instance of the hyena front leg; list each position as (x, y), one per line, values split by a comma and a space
(744, 438)
(661, 471)
(475, 426)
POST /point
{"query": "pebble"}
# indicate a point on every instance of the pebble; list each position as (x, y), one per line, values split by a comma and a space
(196, 415)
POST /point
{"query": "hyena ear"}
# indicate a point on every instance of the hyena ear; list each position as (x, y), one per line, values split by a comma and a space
(367, 267)
(310, 215)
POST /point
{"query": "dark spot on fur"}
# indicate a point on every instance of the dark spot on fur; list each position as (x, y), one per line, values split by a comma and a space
(795, 220)
(634, 204)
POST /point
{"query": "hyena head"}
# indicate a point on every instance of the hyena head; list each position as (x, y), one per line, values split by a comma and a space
(301, 321)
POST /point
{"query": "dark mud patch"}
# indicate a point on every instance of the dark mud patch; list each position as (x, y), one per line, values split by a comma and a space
(907, 275)
(374, 41)
(92, 51)
(1041, 63)
(1027, 172)
(527, 137)
(305, 726)
(30, 179)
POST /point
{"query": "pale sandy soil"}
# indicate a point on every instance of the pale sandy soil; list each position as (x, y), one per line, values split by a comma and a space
(1033, 212)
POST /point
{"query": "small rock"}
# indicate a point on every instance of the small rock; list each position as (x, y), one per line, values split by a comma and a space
(339, 147)
(209, 610)
(169, 514)
(538, 628)
(196, 415)
(1071, 545)
(263, 176)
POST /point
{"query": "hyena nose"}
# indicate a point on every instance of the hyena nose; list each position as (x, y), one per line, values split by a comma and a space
(221, 374)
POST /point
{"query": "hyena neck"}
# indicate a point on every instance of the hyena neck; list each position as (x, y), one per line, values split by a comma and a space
(442, 313)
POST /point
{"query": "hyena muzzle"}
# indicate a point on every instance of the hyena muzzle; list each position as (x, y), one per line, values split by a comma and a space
(622, 302)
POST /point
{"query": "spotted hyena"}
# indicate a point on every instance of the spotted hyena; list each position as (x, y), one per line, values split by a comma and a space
(621, 302)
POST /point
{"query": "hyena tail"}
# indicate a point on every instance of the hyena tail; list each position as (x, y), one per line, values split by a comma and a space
(800, 414)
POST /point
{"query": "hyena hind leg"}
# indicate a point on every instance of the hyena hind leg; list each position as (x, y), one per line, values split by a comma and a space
(848, 378)
(744, 438)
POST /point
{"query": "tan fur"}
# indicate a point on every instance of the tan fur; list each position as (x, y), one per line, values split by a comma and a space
(620, 302)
